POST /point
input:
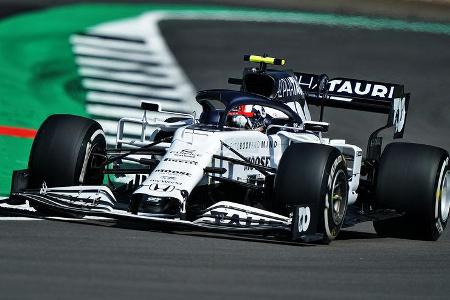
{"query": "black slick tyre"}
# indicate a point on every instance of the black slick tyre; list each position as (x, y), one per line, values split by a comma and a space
(314, 174)
(66, 152)
(413, 179)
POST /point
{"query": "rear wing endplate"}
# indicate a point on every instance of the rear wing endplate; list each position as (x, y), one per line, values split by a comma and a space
(371, 96)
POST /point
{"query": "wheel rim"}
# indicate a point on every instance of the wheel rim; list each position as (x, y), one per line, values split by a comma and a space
(445, 199)
(339, 196)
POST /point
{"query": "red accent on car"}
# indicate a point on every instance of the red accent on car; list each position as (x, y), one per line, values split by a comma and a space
(18, 132)
(241, 111)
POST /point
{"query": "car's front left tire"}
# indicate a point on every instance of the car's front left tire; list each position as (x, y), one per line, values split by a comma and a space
(67, 150)
(63, 152)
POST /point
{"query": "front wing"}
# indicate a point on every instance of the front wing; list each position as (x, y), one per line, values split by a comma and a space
(223, 216)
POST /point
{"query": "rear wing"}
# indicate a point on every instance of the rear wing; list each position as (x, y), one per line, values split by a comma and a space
(371, 96)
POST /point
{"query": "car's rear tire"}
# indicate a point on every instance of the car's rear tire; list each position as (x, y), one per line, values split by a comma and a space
(64, 153)
(413, 179)
(314, 174)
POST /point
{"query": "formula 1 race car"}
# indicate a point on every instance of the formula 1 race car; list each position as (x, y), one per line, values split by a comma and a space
(253, 162)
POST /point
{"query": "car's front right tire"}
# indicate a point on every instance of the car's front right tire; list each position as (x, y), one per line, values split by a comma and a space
(314, 175)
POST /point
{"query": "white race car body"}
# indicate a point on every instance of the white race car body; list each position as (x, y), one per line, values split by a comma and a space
(199, 162)
(192, 150)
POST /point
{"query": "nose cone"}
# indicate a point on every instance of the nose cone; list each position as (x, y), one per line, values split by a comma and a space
(143, 203)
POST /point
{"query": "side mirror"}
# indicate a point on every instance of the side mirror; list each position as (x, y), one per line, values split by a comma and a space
(149, 106)
(316, 126)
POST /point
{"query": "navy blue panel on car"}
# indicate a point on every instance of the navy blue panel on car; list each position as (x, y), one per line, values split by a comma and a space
(351, 93)
(230, 99)
(273, 84)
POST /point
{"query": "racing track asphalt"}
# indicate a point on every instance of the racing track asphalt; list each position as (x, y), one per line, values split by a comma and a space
(68, 260)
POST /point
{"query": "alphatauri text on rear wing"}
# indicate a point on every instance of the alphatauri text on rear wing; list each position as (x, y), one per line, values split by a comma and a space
(355, 94)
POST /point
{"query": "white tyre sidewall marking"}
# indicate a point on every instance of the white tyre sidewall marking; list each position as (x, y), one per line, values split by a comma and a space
(88, 153)
(325, 217)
